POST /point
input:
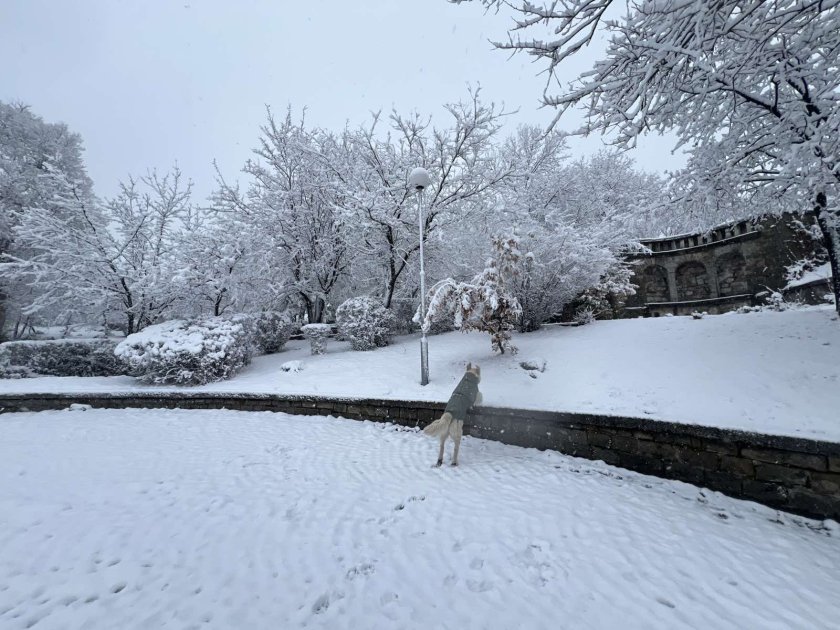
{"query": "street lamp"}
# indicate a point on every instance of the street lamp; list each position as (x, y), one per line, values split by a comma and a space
(418, 180)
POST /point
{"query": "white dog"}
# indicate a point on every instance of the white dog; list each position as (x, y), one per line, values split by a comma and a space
(451, 423)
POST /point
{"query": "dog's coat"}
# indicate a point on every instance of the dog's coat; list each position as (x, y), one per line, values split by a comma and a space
(451, 423)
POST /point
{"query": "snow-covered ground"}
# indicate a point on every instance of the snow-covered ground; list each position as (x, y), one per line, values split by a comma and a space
(219, 519)
(773, 372)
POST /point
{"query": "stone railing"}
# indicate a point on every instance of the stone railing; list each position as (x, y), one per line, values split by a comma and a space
(793, 474)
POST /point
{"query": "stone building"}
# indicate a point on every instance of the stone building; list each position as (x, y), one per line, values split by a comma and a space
(730, 266)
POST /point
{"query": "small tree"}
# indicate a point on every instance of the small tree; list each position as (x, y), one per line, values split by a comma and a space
(484, 304)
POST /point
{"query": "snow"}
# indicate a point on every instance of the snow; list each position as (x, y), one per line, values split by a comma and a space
(772, 372)
(823, 272)
(219, 519)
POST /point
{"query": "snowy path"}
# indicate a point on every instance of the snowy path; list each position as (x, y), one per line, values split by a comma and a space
(217, 519)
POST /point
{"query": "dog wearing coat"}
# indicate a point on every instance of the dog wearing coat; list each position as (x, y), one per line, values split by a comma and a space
(451, 423)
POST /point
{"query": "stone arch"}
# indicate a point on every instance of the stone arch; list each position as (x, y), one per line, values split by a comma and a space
(731, 274)
(693, 282)
(656, 284)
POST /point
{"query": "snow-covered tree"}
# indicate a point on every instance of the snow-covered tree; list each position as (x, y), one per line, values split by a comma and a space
(223, 268)
(463, 160)
(38, 161)
(292, 210)
(112, 261)
(575, 220)
(486, 303)
(756, 83)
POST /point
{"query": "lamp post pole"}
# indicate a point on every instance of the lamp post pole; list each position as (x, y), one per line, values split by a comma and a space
(419, 179)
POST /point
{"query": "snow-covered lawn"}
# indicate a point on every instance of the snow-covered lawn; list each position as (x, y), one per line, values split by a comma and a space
(220, 519)
(773, 372)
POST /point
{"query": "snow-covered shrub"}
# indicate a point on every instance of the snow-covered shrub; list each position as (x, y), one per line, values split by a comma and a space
(584, 315)
(365, 323)
(317, 335)
(183, 352)
(776, 302)
(272, 329)
(484, 304)
(268, 331)
(59, 357)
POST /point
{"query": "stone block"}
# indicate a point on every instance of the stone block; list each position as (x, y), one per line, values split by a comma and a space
(677, 440)
(643, 435)
(605, 455)
(722, 482)
(834, 463)
(771, 494)
(640, 463)
(781, 474)
(826, 483)
(719, 446)
(599, 439)
(700, 459)
(568, 437)
(788, 458)
(737, 466)
(624, 444)
(657, 449)
(815, 505)
(683, 472)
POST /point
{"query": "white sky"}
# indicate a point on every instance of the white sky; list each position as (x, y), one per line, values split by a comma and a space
(151, 82)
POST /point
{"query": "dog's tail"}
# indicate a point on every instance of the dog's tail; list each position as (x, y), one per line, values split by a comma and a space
(440, 426)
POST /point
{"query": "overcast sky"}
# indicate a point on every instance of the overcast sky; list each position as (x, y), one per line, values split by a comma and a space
(151, 82)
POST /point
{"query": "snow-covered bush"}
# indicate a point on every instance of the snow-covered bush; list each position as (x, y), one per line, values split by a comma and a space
(272, 329)
(317, 335)
(183, 352)
(584, 315)
(267, 331)
(59, 357)
(365, 323)
(484, 304)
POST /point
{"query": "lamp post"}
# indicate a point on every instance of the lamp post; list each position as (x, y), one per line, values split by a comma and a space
(418, 180)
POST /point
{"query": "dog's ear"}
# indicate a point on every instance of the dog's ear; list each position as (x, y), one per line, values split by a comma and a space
(469, 366)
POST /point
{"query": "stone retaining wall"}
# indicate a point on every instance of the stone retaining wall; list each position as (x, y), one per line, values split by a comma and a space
(791, 474)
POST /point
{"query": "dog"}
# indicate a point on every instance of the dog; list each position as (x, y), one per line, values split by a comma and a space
(451, 423)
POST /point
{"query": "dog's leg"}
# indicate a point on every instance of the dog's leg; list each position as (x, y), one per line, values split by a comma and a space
(456, 432)
(478, 398)
(440, 454)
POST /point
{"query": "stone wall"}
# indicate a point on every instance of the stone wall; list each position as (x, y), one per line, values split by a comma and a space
(792, 474)
(718, 271)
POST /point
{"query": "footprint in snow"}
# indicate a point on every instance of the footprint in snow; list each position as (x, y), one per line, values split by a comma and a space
(481, 586)
(364, 570)
(321, 604)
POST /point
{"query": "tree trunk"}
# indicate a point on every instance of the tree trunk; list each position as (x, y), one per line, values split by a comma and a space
(828, 222)
(2, 315)
(314, 309)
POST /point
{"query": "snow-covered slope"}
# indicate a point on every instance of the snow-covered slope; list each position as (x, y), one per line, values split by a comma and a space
(773, 372)
(216, 519)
